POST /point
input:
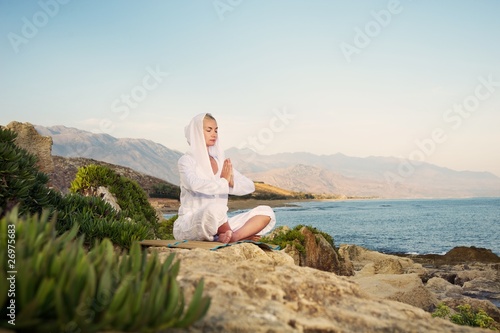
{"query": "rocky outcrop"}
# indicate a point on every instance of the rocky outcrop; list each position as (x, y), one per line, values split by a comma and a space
(401, 279)
(453, 295)
(389, 277)
(476, 284)
(458, 255)
(40, 146)
(461, 254)
(264, 291)
(367, 262)
(315, 252)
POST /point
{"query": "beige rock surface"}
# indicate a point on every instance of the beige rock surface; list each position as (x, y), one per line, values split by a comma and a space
(442, 288)
(264, 291)
(453, 295)
(401, 279)
(371, 262)
(406, 288)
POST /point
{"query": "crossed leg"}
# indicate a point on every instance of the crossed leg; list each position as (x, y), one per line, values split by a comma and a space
(248, 231)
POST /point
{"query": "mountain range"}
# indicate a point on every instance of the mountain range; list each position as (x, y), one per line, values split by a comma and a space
(335, 174)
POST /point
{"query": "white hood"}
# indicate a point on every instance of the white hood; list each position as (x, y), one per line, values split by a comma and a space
(198, 147)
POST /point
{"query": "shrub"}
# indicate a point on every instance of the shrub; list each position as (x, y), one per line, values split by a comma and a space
(63, 288)
(465, 316)
(166, 228)
(165, 191)
(292, 237)
(23, 185)
(98, 220)
(130, 196)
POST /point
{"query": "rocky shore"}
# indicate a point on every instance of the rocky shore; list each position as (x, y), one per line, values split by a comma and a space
(472, 272)
(253, 290)
(464, 275)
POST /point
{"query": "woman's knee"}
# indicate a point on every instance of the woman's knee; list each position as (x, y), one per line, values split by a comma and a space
(266, 210)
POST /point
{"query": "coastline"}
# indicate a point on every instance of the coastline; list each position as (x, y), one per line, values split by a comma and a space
(171, 206)
(251, 203)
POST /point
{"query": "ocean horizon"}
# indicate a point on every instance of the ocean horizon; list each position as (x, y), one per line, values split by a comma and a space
(412, 226)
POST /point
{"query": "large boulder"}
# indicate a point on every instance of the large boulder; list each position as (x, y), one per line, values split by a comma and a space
(316, 252)
(443, 288)
(470, 254)
(40, 146)
(474, 272)
(389, 277)
(405, 288)
(482, 285)
(367, 262)
(320, 254)
(264, 291)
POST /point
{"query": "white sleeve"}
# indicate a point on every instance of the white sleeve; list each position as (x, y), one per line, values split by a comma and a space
(242, 185)
(191, 181)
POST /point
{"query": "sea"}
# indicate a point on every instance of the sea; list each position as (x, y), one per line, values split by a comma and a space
(413, 226)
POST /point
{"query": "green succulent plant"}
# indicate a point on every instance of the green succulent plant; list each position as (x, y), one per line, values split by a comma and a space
(59, 286)
(22, 185)
(131, 198)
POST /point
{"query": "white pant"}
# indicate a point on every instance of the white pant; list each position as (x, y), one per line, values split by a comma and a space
(204, 223)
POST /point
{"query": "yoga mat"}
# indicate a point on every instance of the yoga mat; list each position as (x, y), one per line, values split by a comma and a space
(185, 244)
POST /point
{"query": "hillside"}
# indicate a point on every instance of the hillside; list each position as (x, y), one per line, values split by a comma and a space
(65, 169)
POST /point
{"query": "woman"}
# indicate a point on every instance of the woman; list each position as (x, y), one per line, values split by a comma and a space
(206, 180)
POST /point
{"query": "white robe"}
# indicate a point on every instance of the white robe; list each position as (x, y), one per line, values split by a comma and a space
(204, 194)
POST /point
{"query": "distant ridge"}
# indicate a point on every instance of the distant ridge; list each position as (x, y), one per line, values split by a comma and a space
(142, 155)
(335, 174)
(365, 177)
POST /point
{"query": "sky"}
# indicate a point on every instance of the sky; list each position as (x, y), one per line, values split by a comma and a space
(418, 80)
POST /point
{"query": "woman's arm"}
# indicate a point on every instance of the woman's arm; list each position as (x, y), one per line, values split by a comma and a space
(190, 180)
(242, 185)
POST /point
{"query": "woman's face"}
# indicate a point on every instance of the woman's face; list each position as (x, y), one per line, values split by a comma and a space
(210, 131)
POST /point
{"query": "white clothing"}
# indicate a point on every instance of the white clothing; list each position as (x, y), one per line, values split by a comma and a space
(204, 194)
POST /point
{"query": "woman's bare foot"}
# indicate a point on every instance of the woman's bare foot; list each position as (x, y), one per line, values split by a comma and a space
(254, 238)
(225, 237)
